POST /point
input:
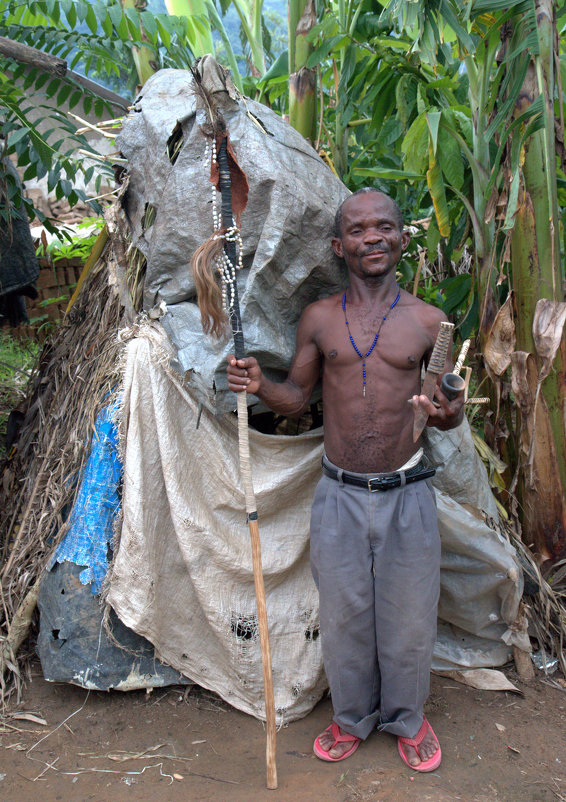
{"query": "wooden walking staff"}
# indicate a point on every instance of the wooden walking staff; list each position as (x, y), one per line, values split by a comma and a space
(245, 470)
(218, 255)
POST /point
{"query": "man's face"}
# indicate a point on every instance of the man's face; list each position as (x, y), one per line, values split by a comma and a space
(371, 242)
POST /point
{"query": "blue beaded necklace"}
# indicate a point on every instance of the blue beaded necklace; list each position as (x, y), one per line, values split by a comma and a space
(375, 339)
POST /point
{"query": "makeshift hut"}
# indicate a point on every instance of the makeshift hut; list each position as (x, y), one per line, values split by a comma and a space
(125, 472)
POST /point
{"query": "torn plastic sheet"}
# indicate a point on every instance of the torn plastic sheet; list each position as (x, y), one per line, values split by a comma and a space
(91, 525)
(74, 646)
(73, 643)
(544, 663)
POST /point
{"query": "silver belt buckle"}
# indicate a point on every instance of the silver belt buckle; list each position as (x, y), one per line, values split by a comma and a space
(371, 487)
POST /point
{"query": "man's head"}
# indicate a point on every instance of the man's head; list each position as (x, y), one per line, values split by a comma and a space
(369, 233)
(337, 230)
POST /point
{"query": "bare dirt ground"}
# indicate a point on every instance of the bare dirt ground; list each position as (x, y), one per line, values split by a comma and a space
(186, 744)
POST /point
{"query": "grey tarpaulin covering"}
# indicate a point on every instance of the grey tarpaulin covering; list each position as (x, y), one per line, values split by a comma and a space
(286, 225)
(182, 576)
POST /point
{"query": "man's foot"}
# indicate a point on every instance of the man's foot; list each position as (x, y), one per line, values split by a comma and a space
(422, 752)
(333, 744)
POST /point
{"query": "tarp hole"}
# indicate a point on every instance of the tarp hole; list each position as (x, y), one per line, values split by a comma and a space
(175, 143)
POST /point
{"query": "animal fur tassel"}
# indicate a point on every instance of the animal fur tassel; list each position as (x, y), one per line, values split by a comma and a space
(209, 296)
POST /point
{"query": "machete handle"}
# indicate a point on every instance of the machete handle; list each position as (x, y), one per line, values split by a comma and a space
(438, 357)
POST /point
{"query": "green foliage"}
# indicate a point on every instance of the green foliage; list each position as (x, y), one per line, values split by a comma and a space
(417, 101)
(71, 244)
(102, 39)
(49, 153)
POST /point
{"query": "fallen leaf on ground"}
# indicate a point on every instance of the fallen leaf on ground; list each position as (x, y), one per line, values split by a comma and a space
(484, 679)
(500, 727)
(29, 717)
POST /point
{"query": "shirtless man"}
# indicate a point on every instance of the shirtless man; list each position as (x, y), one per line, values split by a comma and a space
(375, 556)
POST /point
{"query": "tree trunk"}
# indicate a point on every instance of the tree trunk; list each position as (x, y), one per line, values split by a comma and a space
(535, 256)
(302, 81)
(144, 57)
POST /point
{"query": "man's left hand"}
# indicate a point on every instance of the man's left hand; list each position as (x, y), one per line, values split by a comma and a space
(444, 414)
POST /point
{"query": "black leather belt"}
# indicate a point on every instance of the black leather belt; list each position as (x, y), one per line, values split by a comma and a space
(386, 481)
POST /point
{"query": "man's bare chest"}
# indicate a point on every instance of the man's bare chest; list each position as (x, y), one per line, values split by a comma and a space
(395, 343)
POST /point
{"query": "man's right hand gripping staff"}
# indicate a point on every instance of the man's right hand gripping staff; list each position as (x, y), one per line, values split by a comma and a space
(244, 374)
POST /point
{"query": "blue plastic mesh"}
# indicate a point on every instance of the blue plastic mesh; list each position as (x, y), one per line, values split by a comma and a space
(89, 537)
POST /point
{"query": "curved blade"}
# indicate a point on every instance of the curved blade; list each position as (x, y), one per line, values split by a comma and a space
(421, 417)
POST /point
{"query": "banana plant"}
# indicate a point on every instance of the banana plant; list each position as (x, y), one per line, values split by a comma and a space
(199, 25)
(302, 79)
(251, 20)
(335, 54)
(505, 52)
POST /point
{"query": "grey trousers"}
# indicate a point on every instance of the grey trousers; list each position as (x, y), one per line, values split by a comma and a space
(375, 558)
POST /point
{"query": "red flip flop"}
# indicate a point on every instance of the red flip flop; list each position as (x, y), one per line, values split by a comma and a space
(425, 765)
(338, 739)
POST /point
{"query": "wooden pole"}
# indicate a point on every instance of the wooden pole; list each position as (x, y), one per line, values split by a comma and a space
(245, 470)
(57, 66)
(35, 58)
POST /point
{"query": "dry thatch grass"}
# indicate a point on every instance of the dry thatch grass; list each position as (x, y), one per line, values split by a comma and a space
(546, 609)
(78, 368)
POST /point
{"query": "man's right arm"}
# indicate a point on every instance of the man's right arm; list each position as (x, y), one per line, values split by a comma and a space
(291, 397)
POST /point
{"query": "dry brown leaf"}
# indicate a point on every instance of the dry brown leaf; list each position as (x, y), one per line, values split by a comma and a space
(522, 364)
(505, 259)
(484, 679)
(544, 521)
(491, 206)
(29, 717)
(548, 325)
(501, 339)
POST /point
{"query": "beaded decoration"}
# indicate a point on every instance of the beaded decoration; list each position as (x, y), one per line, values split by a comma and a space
(363, 357)
(226, 270)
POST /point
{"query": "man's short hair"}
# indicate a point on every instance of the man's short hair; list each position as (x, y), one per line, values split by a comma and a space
(364, 191)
